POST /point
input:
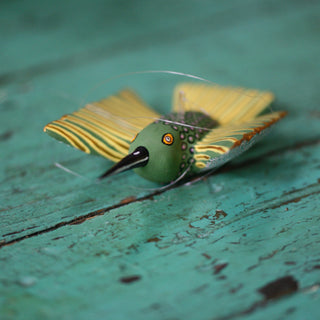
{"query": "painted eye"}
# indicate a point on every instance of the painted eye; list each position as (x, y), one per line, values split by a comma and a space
(167, 139)
(134, 138)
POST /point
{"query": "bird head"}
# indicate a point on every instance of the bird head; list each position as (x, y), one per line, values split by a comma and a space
(155, 154)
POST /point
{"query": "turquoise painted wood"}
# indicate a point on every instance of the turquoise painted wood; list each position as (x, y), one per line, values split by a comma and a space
(74, 249)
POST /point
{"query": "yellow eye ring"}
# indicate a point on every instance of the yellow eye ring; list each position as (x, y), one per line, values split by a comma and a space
(167, 139)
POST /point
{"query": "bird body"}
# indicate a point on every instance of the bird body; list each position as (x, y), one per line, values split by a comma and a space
(208, 126)
(173, 153)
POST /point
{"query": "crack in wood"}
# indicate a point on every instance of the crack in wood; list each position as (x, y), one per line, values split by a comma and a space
(287, 198)
(90, 215)
(277, 202)
(78, 220)
(270, 255)
(16, 232)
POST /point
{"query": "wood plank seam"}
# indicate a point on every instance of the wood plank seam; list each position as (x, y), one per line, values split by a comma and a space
(297, 194)
(292, 197)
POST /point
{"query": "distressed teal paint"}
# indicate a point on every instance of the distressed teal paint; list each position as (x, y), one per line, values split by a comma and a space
(175, 241)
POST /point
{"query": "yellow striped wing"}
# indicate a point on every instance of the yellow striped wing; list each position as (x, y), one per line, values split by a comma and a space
(224, 104)
(105, 127)
(228, 141)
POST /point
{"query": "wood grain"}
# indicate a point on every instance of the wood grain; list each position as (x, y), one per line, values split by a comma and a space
(74, 249)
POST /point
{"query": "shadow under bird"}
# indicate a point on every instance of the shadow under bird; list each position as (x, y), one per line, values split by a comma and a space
(208, 126)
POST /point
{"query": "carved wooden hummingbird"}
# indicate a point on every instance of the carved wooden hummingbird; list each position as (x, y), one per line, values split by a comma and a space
(208, 126)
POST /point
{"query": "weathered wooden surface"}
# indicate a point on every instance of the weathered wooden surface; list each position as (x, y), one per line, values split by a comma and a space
(72, 248)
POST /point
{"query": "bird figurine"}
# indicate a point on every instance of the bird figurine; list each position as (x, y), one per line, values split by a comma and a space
(208, 126)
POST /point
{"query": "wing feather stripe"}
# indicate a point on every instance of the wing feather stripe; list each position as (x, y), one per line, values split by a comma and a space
(220, 145)
(105, 127)
(202, 156)
(106, 124)
(230, 112)
(110, 119)
(102, 134)
(68, 136)
(215, 148)
(224, 104)
(131, 117)
(222, 107)
(91, 141)
(234, 130)
(254, 107)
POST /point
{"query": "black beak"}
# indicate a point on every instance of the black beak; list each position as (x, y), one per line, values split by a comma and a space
(138, 158)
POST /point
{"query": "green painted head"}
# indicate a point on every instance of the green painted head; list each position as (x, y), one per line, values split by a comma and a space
(157, 153)
(163, 145)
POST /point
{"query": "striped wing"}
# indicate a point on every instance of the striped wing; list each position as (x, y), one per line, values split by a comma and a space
(105, 127)
(224, 104)
(226, 142)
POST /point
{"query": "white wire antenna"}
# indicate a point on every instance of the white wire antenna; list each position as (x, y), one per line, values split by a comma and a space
(63, 168)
